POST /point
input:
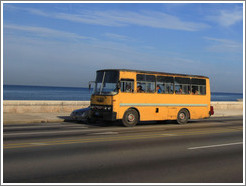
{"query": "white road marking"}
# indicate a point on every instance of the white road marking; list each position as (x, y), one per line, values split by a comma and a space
(169, 134)
(35, 133)
(218, 145)
(38, 143)
(104, 133)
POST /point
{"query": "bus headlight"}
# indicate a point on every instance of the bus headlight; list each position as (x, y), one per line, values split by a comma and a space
(107, 108)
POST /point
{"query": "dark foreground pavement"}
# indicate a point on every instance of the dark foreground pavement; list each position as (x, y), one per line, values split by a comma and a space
(206, 151)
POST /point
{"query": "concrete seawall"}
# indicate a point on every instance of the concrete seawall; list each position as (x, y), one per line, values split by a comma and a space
(42, 106)
(69, 106)
(229, 105)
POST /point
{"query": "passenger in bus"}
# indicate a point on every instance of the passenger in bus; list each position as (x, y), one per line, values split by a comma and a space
(128, 88)
(195, 92)
(158, 89)
(180, 91)
(140, 89)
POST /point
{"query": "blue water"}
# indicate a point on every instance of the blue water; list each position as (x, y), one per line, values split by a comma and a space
(20, 92)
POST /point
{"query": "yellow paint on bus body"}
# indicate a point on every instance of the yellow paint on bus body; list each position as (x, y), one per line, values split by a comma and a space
(154, 106)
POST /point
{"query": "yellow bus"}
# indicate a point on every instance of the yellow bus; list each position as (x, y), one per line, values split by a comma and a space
(135, 95)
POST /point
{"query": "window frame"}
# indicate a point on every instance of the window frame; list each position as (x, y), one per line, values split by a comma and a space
(144, 80)
(199, 83)
(165, 81)
(182, 82)
(126, 80)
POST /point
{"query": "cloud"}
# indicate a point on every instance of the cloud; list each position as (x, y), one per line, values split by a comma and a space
(153, 19)
(223, 45)
(45, 32)
(227, 18)
(32, 34)
(126, 18)
(116, 36)
(34, 11)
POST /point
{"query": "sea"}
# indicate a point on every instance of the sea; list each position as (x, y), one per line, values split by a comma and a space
(21, 92)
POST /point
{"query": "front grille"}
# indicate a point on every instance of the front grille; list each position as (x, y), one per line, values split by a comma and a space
(107, 108)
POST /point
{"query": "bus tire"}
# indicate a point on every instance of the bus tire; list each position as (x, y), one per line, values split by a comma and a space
(183, 116)
(130, 118)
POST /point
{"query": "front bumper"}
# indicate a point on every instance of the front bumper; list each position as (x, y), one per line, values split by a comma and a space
(103, 115)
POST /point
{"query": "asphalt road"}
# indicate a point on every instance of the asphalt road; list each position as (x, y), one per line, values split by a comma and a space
(203, 151)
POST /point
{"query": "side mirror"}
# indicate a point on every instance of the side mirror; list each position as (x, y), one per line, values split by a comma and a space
(90, 82)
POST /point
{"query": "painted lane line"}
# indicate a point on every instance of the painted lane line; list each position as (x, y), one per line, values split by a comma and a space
(38, 144)
(35, 133)
(44, 126)
(104, 133)
(218, 145)
(169, 134)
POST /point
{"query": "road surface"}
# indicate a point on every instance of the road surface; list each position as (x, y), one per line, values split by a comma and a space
(203, 151)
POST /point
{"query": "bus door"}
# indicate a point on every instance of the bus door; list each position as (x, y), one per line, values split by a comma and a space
(172, 113)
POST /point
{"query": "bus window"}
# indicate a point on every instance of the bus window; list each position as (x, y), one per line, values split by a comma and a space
(146, 83)
(127, 85)
(182, 85)
(165, 83)
(203, 90)
(198, 86)
(106, 82)
(169, 88)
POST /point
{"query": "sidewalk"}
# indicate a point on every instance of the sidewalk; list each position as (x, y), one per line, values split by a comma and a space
(27, 118)
(225, 113)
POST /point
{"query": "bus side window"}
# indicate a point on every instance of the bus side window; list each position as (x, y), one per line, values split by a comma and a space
(170, 88)
(127, 85)
(160, 87)
(165, 83)
(141, 87)
(182, 85)
(203, 89)
(145, 83)
(194, 90)
(198, 86)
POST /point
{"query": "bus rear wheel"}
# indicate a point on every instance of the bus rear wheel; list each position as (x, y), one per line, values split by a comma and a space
(183, 116)
(130, 118)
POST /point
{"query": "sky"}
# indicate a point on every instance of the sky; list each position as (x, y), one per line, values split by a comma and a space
(63, 44)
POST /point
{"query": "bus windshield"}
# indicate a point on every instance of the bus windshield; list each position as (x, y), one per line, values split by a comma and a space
(106, 83)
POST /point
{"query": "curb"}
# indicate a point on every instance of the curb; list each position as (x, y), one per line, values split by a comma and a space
(225, 115)
(33, 121)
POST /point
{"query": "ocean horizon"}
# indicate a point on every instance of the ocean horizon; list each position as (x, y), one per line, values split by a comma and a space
(32, 92)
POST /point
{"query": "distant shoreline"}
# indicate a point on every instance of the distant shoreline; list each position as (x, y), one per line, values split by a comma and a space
(44, 86)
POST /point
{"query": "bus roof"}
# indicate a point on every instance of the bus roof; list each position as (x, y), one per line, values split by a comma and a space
(153, 72)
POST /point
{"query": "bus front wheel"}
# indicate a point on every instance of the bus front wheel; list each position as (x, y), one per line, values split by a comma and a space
(183, 116)
(130, 118)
